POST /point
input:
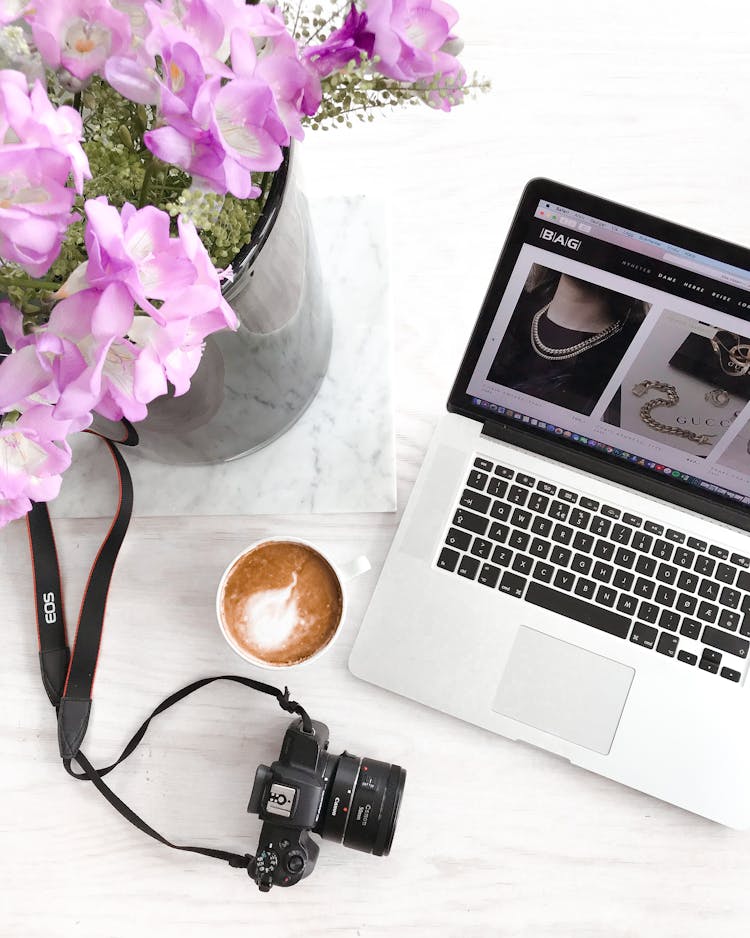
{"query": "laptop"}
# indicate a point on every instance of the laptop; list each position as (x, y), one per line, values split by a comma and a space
(572, 569)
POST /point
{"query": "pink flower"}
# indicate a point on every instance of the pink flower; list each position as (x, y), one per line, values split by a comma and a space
(408, 37)
(33, 454)
(35, 206)
(79, 35)
(345, 44)
(11, 10)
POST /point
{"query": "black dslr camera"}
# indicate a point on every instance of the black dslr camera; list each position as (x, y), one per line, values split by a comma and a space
(308, 790)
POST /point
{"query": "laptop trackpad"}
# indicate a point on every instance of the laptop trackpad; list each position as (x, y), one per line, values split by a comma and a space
(563, 690)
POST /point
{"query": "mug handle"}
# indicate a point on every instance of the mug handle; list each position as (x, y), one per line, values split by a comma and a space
(354, 568)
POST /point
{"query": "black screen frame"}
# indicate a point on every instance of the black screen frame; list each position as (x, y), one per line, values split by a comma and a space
(528, 437)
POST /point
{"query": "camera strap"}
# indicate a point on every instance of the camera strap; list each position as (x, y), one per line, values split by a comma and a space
(68, 677)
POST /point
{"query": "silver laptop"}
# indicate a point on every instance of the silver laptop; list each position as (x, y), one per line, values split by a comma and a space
(573, 567)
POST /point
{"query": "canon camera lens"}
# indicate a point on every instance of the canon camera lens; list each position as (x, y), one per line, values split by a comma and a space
(360, 807)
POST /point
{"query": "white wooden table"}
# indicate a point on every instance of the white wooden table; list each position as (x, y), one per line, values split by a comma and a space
(644, 102)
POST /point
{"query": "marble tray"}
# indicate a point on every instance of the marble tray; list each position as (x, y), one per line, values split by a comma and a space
(339, 456)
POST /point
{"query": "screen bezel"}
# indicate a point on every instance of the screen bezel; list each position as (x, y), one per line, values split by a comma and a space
(608, 466)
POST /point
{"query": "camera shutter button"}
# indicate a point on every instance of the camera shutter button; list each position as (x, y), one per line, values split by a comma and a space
(295, 863)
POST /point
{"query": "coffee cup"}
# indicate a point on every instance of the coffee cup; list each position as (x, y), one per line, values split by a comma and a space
(281, 602)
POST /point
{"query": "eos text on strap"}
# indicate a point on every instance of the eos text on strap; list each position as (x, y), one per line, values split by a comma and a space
(307, 790)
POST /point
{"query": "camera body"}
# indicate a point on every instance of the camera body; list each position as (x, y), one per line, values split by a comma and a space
(307, 790)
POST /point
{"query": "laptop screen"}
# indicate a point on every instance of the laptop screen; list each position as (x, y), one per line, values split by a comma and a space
(615, 340)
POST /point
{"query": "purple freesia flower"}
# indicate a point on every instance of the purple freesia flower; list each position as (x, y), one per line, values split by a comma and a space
(408, 38)
(79, 35)
(33, 454)
(345, 44)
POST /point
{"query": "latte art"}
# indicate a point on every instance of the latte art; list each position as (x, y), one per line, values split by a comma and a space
(281, 603)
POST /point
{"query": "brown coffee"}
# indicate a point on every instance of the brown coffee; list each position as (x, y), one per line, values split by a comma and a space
(281, 602)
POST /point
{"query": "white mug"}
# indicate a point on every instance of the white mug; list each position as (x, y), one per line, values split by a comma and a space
(344, 573)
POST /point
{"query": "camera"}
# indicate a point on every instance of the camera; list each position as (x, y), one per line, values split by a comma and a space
(308, 790)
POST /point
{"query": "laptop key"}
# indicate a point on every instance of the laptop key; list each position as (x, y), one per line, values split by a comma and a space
(579, 519)
(504, 472)
(624, 558)
(538, 503)
(740, 561)
(539, 548)
(566, 604)
(662, 550)
(543, 572)
(448, 559)
(709, 589)
(559, 511)
(729, 620)
(477, 480)
(567, 496)
(517, 495)
(585, 588)
(729, 597)
(500, 511)
(648, 612)
(460, 540)
(645, 565)
(707, 612)
(541, 526)
(730, 674)
(564, 580)
(589, 504)
(497, 488)
(602, 572)
(687, 656)
(606, 595)
(620, 534)
(502, 556)
(745, 625)
(475, 501)
(652, 527)
(583, 542)
(705, 565)
(484, 464)
(560, 556)
(521, 518)
(600, 526)
(562, 534)
(498, 532)
(665, 595)
(705, 664)
(522, 564)
(581, 563)
(627, 605)
(644, 635)
(720, 552)
(604, 550)
(481, 548)
(470, 521)
(669, 620)
(687, 581)
(732, 644)
(610, 512)
(666, 574)
(546, 487)
(512, 584)
(644, 588)
(642, 542)
(468, 567)
(690, 628)
(743, 580)
(677, 536)
(686, 604)
(523, 479)
(697, 544)
(667, 644)
(683, 557)
(622, 580)
(725, 573)
(633, 520)
(489, 575)
(710, 655)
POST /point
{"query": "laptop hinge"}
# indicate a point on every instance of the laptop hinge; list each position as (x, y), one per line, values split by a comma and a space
(611, 469)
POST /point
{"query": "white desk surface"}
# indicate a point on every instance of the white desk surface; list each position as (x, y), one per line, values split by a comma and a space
(644, 102)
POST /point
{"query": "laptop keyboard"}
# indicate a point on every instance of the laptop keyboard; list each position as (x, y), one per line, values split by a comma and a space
(621, 573)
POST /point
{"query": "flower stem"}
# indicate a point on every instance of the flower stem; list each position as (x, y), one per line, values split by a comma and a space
(147, 174)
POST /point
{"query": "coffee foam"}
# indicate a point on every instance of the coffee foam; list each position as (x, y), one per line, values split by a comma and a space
(281, 602)
(270, 616)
